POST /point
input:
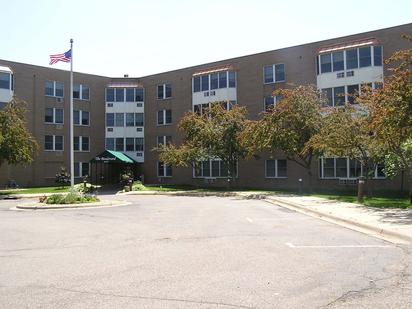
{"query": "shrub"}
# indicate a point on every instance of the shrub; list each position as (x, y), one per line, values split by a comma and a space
(138, 186)
(71, 198)
(55, 199)
(62, 177)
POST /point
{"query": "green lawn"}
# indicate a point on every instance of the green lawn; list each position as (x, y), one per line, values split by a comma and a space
(378, 202)
(38, 190)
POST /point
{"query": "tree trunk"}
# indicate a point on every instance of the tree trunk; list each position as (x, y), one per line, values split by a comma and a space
(310, 185)
(410, 189)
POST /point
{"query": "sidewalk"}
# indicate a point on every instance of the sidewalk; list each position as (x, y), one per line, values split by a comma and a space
(394, 225)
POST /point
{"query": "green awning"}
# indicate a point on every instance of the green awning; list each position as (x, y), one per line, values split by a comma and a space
(113, 156)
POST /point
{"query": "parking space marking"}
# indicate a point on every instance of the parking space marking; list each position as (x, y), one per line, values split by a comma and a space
(290, 245)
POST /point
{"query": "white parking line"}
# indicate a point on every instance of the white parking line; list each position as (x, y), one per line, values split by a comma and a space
(290, 245)
(250, 220)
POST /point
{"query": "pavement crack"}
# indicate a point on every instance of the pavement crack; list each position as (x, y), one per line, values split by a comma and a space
(170, 299)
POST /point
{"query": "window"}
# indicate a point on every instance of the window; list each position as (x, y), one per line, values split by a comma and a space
(339, 96)
(276, 168)
(110, 143)
(164, 91)
(85, 116)
(377, 55)
(109, 94)
(337, 59)
(54, 89)
(328, 96)
(379, 171)
(163, 170)
(352, 92)
(139, 94)
(53, 142)
(339, 168)
(82, 118)
(222, 79)
(232, 79)
(119, 120)
(81, 169)
(109, 119)
(129, 119)
(139, 143)
(351, 59)
(164, 140)
(119, 92)
(205, 82)
(130, 95)
(81, 92)
(81, 143)
(325, 63)
(214, 81)
(53, 115)
(5, 81)
(139, 119)
(119, 144)
(164, 117)
(196, 84)
(129, 144)
(211, 168)
(269, 103)
(268, 74)
(365, 57)
(272, 73)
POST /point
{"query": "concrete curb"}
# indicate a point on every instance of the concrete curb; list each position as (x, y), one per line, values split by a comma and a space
(181, 193)
(39, 206)
(352, 224)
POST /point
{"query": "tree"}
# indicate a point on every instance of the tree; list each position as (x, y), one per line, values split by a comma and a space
(390, 111)
(289, 126)
(17, 145)
(211, 135)
(346, 133)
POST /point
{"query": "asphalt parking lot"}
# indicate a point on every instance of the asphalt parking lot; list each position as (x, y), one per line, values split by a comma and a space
(194, 252)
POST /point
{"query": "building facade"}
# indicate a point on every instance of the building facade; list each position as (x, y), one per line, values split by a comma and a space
(134, 115)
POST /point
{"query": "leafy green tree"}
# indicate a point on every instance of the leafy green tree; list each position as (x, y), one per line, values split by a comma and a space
(289, 127)
(212, 135)
(17, 145)
(346, 133)
(390, 111)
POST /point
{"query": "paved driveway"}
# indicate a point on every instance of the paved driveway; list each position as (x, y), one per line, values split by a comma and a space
(194, 252)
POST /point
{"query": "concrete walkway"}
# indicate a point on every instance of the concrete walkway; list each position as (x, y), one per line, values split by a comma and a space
(391, 224)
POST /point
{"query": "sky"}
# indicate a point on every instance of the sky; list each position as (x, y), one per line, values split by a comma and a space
(139, 38)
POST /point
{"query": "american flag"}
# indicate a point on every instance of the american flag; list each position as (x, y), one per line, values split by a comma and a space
(65, 57)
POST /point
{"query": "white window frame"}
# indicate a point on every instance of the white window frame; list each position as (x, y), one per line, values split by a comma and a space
(81, 93)
(54, 143)
(54, 116)
(164, 91)
(164, 171)
(164, 117)
(54, 89)
(210, 170)
(81, 117)
(164, 140)
(274, 74)
(276, 169)
(81, 169)
(375, 172)
(81, 144)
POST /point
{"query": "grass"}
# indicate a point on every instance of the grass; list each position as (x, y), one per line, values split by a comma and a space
(37, 190)
(387, 201)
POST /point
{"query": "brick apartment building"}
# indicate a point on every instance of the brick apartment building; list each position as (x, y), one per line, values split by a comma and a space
(131, 116)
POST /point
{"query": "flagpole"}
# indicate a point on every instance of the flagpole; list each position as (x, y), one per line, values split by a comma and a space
(71, 120)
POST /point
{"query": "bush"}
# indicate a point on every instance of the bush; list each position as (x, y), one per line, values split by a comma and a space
(71, 198)
(88, 189)
(138, 186)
